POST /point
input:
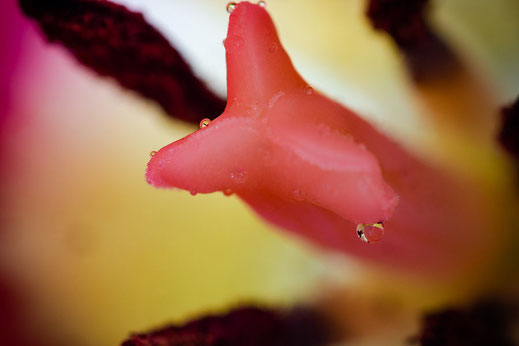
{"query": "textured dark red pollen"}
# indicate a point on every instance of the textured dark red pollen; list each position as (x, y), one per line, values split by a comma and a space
(404, 20)
(116, 42)
(427, 56)
(9, 318)
(509, 134)
(241, 327)
(483, 324)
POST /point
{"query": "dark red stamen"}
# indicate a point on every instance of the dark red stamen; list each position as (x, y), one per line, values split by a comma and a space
(116, 42)
(485, 323)
(241, 327)
(426, 54)
(509, 134)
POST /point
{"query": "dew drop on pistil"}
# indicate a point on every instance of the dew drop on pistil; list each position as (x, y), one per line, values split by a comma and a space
(370, 232)
(298, 195)
(205, 122)
(239, 176)
(309, 90)
(230, 7)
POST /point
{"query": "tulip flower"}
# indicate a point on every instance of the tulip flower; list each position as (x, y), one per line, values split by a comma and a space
(430, 198)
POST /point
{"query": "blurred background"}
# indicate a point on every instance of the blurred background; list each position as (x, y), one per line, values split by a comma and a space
(89, 252)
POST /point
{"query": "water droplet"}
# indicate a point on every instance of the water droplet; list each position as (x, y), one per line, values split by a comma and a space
(370, 232)
(264, 155)
(309, 90)
(323, 129)
(298, 195)
(233, 43)
(227, 192)
(205, 122)
(153, 153)
(193, 193)
(273, 47)
(231, 6)
(239, 176)
(262, 4)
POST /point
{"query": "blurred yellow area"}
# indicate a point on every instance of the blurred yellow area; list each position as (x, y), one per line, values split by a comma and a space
(99, 252)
